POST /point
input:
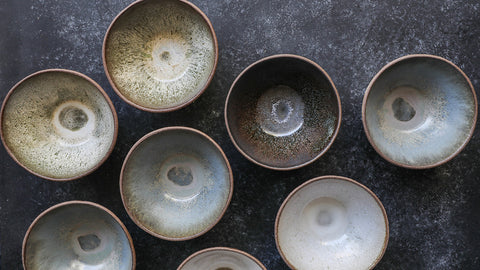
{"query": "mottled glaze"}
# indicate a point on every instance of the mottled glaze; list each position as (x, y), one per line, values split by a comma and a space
(176, 183)
(160, 55)
(221, 258)
(78, 235)
(331, 222)
(283, 112)
(58, 124)
(419, 111)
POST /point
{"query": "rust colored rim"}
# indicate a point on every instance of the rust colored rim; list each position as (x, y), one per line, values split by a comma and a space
(25, 239)
(337, 128)
(153, 133)
(100, 89)
(220, 249)
(364, 108)
(168, 109)
(385, 242)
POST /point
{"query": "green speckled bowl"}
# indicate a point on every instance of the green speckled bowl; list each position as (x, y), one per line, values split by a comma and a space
(176, 183)
(221, 258)
(58, 124)
(78, 235)
(160, 55)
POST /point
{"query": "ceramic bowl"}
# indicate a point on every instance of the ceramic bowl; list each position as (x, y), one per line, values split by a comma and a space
(419, 111)
(283, 112)
(160, 55)
(221, 258)
(58, 124)
(78, 235)
(331, 222)
(176, 183)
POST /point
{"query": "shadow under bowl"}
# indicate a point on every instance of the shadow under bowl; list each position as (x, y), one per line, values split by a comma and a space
(221, 258)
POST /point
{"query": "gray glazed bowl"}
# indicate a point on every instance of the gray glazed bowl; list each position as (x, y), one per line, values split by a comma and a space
(176, 183)
(419, 111)
(78, 235)
(221, 258)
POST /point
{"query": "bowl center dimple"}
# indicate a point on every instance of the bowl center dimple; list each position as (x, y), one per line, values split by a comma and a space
(180, 175)
(281, 110)
(89, 242)
(168, 58)
(73, 118)
(402, 110)
(326, 218)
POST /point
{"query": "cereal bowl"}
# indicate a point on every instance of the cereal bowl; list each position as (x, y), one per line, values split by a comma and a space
(221, 258)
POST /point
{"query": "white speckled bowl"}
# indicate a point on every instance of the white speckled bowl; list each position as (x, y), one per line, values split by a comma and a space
(160, 55)
(176, 183)
(58, 124)
(78, 235)
(331, 222)
(221, 258)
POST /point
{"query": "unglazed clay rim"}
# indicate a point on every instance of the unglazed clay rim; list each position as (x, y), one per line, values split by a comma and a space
(25, 239)
(337, 128)
(214, 144)
(100, 89)
(221, 249)
(334, 177)
(364, 108)
(172, 108)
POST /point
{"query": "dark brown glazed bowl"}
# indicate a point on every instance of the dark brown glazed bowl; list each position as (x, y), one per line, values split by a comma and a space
(221, 258)
(283, 112)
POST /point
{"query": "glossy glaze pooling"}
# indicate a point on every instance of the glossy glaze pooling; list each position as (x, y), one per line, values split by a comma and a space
(221, 259)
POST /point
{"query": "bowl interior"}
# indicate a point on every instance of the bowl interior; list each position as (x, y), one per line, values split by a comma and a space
(283, 112)
(220, 259)
(160, 54)
(420, 111)
(176, 183)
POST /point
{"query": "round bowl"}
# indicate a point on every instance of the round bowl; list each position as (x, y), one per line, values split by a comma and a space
(221, 258)
(331, 222)
(160, 55)
(419, 111)
(78, 235)
(176, 183)
(283, 112)
(58, 124)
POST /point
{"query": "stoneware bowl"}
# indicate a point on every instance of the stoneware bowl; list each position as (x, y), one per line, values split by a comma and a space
(176, 183)
(283, 112)
(419, 111)
(331, 222)
(58, 124)
(221, 258)
(160, 55)
(78, 235)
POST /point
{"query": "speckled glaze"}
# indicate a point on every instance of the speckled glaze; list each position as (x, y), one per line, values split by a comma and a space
(58, 124)
(176, 183)
(221, 258)
(283, 112)
(78, 235)
(419, 111)
(331, 222)
(160, 55)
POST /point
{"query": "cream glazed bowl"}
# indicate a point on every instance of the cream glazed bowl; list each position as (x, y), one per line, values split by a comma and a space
(331, 222)
(221, 258)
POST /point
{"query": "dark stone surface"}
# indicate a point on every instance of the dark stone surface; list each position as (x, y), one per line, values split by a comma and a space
(434, 214)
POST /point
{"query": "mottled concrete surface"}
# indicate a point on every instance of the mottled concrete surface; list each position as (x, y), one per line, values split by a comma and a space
(434, 214)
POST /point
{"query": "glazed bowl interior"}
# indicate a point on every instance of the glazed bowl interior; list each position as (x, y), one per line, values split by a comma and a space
(78, 235)
(176, 183)
(64, 118)
(221, 259)
(331, 223)
(160, 55)
(283, 112)
(420, 111)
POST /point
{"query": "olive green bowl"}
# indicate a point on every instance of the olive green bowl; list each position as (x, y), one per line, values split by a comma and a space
(221, 258)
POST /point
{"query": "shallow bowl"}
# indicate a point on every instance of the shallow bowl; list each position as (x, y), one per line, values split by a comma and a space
(221, 258)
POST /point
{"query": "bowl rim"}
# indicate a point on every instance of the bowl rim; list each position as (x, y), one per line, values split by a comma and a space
(170, 108)
(364, 108)
(214, 144)
(77, 202)
(339, 116)
(206, 250)
(339, 178)
(92, 82)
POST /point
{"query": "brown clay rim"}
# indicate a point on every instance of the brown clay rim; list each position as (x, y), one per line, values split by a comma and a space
(385, 242)
(25, 239)
(220, 249)
(158, 131)
(167, 109)
(367, 93)
(100, 89)
(338, 103)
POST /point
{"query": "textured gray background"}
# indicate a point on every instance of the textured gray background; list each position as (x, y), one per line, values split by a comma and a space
(434, 214)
